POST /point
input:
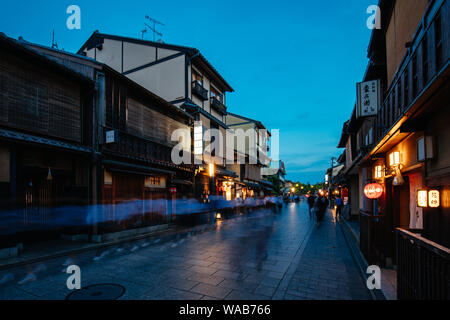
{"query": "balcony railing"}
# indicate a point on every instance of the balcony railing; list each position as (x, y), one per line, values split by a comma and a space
(418, 70)
(423, 269)
(198, 89)
(218, 106)
(131, 146)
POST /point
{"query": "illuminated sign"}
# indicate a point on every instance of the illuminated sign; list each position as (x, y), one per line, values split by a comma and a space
(431, 199)
(373, 190)
(212, 170)
(434, 200)
(422, 198)
(198, 139)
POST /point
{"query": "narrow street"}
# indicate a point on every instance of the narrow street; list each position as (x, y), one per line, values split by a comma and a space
(260, 256)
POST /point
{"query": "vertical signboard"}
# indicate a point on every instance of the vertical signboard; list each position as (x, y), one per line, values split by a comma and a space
(368, 98)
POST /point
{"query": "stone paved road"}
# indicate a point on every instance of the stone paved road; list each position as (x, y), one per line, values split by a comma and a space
(257, 256)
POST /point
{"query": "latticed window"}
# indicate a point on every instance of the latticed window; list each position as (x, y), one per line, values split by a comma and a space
(38, 101)
(406, 88)
(425, 64)
(438, 41)
(415, 76)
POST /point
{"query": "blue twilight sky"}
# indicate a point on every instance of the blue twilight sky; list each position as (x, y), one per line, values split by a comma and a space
(293, 64)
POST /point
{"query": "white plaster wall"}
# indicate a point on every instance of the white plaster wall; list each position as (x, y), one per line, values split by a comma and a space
(136, 55)
(165, 79)
(163, 53)
(111, 54)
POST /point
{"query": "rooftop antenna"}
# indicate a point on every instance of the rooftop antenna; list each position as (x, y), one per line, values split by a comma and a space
(54, 44)
(153, 28)
(143, 31)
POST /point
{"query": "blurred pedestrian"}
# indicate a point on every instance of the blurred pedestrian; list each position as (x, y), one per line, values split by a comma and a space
(339, 204)
(311, 200)
(321, 205)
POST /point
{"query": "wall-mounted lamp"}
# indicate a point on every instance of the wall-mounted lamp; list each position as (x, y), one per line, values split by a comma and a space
(394, 159)
(431, 198)
(378, 172)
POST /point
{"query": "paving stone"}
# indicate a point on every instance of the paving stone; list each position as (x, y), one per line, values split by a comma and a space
(265, 290)
(213, 280)
(249, 258)
(210, 290)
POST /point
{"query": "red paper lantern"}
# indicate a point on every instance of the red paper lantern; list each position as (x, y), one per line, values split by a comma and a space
(373, 190)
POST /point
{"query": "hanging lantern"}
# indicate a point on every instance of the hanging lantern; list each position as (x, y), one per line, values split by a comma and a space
(373, 190)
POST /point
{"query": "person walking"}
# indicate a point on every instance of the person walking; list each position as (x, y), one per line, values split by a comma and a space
(321, 205)
(311, 200)
(339, 204)
(317, 208)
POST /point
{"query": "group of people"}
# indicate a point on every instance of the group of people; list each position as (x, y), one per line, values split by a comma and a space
(318, 206)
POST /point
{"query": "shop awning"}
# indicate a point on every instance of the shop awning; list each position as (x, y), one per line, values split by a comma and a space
(125, 167)
(266, 184)
(226, 173)
(254, 185)
(31, 139)
(182, 182)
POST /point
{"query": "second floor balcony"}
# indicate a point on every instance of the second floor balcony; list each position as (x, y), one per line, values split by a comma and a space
(199, 90)
(139, 148)
(217, 105)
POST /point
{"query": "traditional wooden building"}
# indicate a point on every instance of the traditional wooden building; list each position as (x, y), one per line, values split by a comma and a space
(114, 138)
(409, 154)
(45, 143)
(180, 75)
(250, 181)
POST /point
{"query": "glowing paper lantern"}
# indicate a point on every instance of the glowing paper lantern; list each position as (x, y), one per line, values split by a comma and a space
(422, 198)
(373, 190)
